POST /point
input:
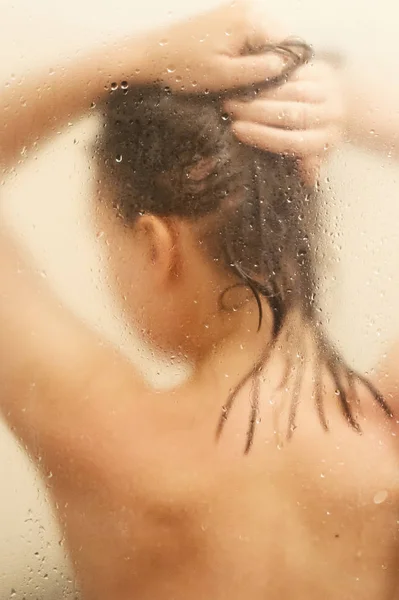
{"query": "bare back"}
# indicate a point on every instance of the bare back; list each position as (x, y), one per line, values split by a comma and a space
(155, 508)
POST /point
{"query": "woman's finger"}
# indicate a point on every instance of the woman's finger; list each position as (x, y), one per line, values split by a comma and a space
(248, 70)
(298, 91)
(318, 70)
(315, 82)
(286, 115)
(284, 141)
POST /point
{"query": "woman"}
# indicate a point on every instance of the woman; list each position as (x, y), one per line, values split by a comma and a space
(245, 481)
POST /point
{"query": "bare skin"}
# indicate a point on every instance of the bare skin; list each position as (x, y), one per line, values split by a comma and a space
(152, 507)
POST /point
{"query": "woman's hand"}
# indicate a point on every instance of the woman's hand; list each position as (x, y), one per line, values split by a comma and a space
(204, 52)
(305, 117)
(201, 53)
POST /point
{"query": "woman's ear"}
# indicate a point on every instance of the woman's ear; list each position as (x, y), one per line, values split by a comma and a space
(159, 237)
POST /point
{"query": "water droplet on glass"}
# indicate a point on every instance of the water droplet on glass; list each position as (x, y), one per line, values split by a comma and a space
(225, 117)
(171, 69)
(163, 42)
(228, 32)
(124, 85)
(114, 86)
(380, 497)
(118, 158)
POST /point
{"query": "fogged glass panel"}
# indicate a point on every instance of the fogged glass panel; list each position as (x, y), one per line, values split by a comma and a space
(198, 355)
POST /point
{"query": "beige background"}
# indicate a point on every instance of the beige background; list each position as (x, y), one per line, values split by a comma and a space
(45, 202)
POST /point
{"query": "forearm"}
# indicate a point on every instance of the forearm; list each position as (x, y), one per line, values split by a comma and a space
(33, 109)
(372, 113)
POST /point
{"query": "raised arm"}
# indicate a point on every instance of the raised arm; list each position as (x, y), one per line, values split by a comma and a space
(190, 56)
(372, 111)
(316, 108)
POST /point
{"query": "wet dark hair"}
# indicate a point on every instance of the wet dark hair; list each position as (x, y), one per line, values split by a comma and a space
(175, 155)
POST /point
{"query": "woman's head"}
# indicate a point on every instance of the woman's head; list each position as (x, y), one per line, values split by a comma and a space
(201, 215)
(206, 233)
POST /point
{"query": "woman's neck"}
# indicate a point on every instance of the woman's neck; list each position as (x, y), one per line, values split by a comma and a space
(237, 353)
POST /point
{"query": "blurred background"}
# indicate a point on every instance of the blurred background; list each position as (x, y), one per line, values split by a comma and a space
(46, 204)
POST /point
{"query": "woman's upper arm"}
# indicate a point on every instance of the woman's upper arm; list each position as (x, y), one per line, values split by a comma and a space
(51, 363)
